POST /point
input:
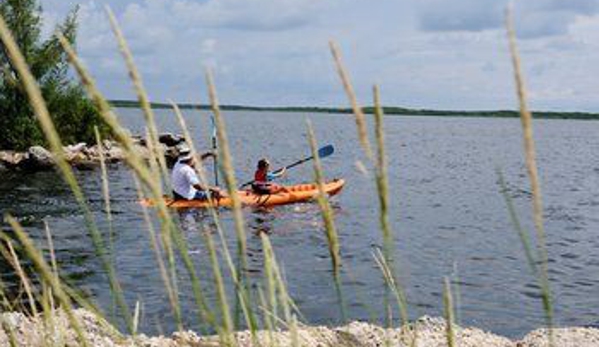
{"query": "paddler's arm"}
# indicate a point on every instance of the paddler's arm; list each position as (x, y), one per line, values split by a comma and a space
(272, 175)
(216, 192)
(207, 155)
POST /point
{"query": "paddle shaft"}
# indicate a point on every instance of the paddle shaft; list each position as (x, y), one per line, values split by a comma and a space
(294, 164)
(214, 149)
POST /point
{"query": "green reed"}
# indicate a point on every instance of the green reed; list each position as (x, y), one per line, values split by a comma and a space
(531, 167)
(170, 233)
(16, 263)
(277, 289)
(328, 219)
(46, 273)
(449, 314)
(38, 104)
(226, 165)
(325, 206)
(522, 234)
(242, 292)
(226, 321)
(142, 96)
(170, 287)
(351, 95)
(392, 283)
(382, 180)
(107, 206)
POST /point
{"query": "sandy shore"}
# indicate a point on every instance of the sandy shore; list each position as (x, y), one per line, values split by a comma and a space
(430, 332)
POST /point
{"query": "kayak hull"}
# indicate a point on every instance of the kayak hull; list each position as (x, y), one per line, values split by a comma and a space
(295, 194)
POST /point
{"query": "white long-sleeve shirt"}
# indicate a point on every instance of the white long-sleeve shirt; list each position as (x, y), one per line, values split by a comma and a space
(183, 179)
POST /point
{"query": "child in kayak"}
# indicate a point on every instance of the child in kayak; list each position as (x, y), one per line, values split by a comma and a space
(262, 178)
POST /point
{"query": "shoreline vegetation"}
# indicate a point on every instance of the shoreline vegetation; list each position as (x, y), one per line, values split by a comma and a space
(387, 110)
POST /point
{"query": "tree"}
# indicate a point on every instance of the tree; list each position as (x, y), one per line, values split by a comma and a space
(73, 113)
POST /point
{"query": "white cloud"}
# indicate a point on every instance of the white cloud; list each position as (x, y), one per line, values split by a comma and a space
(275, 51)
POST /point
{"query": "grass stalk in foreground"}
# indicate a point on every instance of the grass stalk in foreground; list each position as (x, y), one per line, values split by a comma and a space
(325, 206)
(279, 290)
(242, 291)
(13, 259)
(351, 95)
(39, 107)
(169, 231)
(46, 274)
(531, 167)
(51, 248)
(396, 289)
(449, 314)
(171, 289)
(227, 168)
(522, 234)
(227, 337)
(107, 207)
(382, 180)
(328, 219)
(382, 188)
(142, 96)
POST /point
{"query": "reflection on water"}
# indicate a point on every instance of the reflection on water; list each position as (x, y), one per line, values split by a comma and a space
(445, 209)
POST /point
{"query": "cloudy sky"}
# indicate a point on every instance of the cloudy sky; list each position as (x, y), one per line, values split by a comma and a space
(444, 54)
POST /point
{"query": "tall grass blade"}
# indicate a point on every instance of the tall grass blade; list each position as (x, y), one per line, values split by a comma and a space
(351, 95)
(270, 263)
(170, 232)
(227, 337)
(106, 196)
(44, 271)
(449, 314)
(242, 291)
(522, 234)
(228, 171)
(136, 314)
(382, 181)
(531, 167)
(37, 103)
(325, 206)
(51, 248)
(382, 184)
(170, 287)
(141, 95)
(328, 219)
(16, 264)
(392, 283)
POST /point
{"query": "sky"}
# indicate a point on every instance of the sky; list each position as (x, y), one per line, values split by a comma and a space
(439, 54)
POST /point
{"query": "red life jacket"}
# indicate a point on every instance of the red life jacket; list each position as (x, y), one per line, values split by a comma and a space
(260, 177)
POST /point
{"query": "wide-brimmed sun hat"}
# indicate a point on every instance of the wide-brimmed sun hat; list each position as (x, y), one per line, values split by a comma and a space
(186, 157)
(184, 153)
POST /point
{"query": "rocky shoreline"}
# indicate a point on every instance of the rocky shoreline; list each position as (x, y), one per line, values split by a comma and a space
(82, 156)
(36, 331)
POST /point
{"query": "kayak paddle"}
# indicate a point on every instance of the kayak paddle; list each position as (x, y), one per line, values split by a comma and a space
(322, 153)
(214, 149)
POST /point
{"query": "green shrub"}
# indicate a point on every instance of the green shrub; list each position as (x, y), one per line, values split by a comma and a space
(74, 114)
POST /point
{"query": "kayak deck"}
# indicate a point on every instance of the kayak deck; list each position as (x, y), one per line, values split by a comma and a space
(295, 194)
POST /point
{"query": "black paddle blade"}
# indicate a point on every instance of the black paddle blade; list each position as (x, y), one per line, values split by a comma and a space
(326, 151)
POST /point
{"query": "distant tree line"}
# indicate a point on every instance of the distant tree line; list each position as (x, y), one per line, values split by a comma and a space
(389, 110)
(73, 113)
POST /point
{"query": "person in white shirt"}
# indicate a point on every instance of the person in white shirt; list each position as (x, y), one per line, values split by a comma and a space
(185, 181)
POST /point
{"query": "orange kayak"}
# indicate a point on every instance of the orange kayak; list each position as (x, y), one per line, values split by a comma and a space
(295, 194)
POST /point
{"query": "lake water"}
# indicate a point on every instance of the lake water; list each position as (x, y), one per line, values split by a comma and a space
(447, 214)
